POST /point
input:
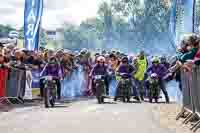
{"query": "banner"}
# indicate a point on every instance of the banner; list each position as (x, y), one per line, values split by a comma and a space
(32, 19)
(15, 86)
(28, 89)
(172, 26)
(3, 79)
(197, 16)
(188, 15)
(179, 20)
(35, 83)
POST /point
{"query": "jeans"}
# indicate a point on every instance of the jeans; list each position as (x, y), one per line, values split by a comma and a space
(164, 90)
(139, 88)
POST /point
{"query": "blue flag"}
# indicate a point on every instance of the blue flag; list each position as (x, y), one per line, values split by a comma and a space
(172, 24)
(188, 16)
(173, 18)
(32, 19)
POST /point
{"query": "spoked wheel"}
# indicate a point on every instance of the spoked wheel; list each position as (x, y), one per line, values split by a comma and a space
(102, 99)
(52, 101)
(156, 100)
(150, 100)
(115, 99)
(128, 99)
(124, 99)
(46, 98)
(99, 100)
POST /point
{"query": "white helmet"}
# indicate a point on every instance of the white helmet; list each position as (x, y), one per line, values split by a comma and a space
(101, 59)
(154, 75)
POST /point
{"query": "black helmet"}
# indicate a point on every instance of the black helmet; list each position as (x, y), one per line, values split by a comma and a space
(52, 60)
(83, 51)
(163, 59)
(104, 52)
(97, 54)
(125, 59)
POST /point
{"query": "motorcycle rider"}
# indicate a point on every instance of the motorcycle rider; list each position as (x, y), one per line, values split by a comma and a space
(53, 69)
(161, 72)
(100, 68)
(126, 69)
(163, 60)
(154, 89)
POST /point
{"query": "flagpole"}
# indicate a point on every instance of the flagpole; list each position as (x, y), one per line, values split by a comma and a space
(193, 17)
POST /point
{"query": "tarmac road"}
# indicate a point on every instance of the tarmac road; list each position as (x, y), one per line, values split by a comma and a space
(85, 116)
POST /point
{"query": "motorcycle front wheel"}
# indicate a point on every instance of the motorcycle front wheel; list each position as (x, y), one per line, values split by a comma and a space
(52, 102)
(99, 100)
(46, 97)
(102, 99)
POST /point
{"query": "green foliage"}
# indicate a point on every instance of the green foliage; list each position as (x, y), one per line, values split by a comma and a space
(43, 38)
(21, 33)
(6, 28)
(127, 22)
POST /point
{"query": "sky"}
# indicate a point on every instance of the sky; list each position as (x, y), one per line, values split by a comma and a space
(56, 12)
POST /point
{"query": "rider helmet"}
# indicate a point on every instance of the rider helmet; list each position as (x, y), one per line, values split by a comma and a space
(125, 59)
(163, 59)
(103, 52)
(83, 51)
(52, 60)
(154, 75)
(101, 59)
(155, 60)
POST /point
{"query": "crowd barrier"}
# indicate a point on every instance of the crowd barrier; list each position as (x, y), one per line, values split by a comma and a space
(18, 84)
(12, 84)
(191, 96)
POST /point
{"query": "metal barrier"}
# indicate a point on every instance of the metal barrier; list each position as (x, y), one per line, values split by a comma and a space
(15, 84)
(3, 79)
(196, 95)
(188, 106)
(191, 96)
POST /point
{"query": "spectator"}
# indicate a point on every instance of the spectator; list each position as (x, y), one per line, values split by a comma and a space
(192, 50)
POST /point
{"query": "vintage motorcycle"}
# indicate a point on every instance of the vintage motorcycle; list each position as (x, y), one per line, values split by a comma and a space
(124, 88)
(154, 89)
(50, 88)
(100, 88)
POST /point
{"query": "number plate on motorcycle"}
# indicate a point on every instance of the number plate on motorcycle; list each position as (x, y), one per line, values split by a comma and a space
(49, 78)
(98, 77)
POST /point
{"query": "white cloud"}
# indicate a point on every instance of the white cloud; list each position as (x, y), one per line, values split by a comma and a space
(55, 11)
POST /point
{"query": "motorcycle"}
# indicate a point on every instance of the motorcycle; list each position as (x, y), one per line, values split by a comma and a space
(124, 88)
(100, 88)
(50, 88)
(154, 89)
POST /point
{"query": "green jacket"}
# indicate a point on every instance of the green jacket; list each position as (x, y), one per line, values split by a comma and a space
(178, 55)
(189, 55)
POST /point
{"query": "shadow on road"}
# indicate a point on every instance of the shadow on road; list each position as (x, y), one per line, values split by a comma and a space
(109, 103)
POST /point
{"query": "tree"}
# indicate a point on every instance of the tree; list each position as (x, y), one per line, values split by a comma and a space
(21, 33)
(146, 20)
(43, 38)
(6, 28)
(74, 38)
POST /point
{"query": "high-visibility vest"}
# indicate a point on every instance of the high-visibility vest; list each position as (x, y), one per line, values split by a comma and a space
(141, 69)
